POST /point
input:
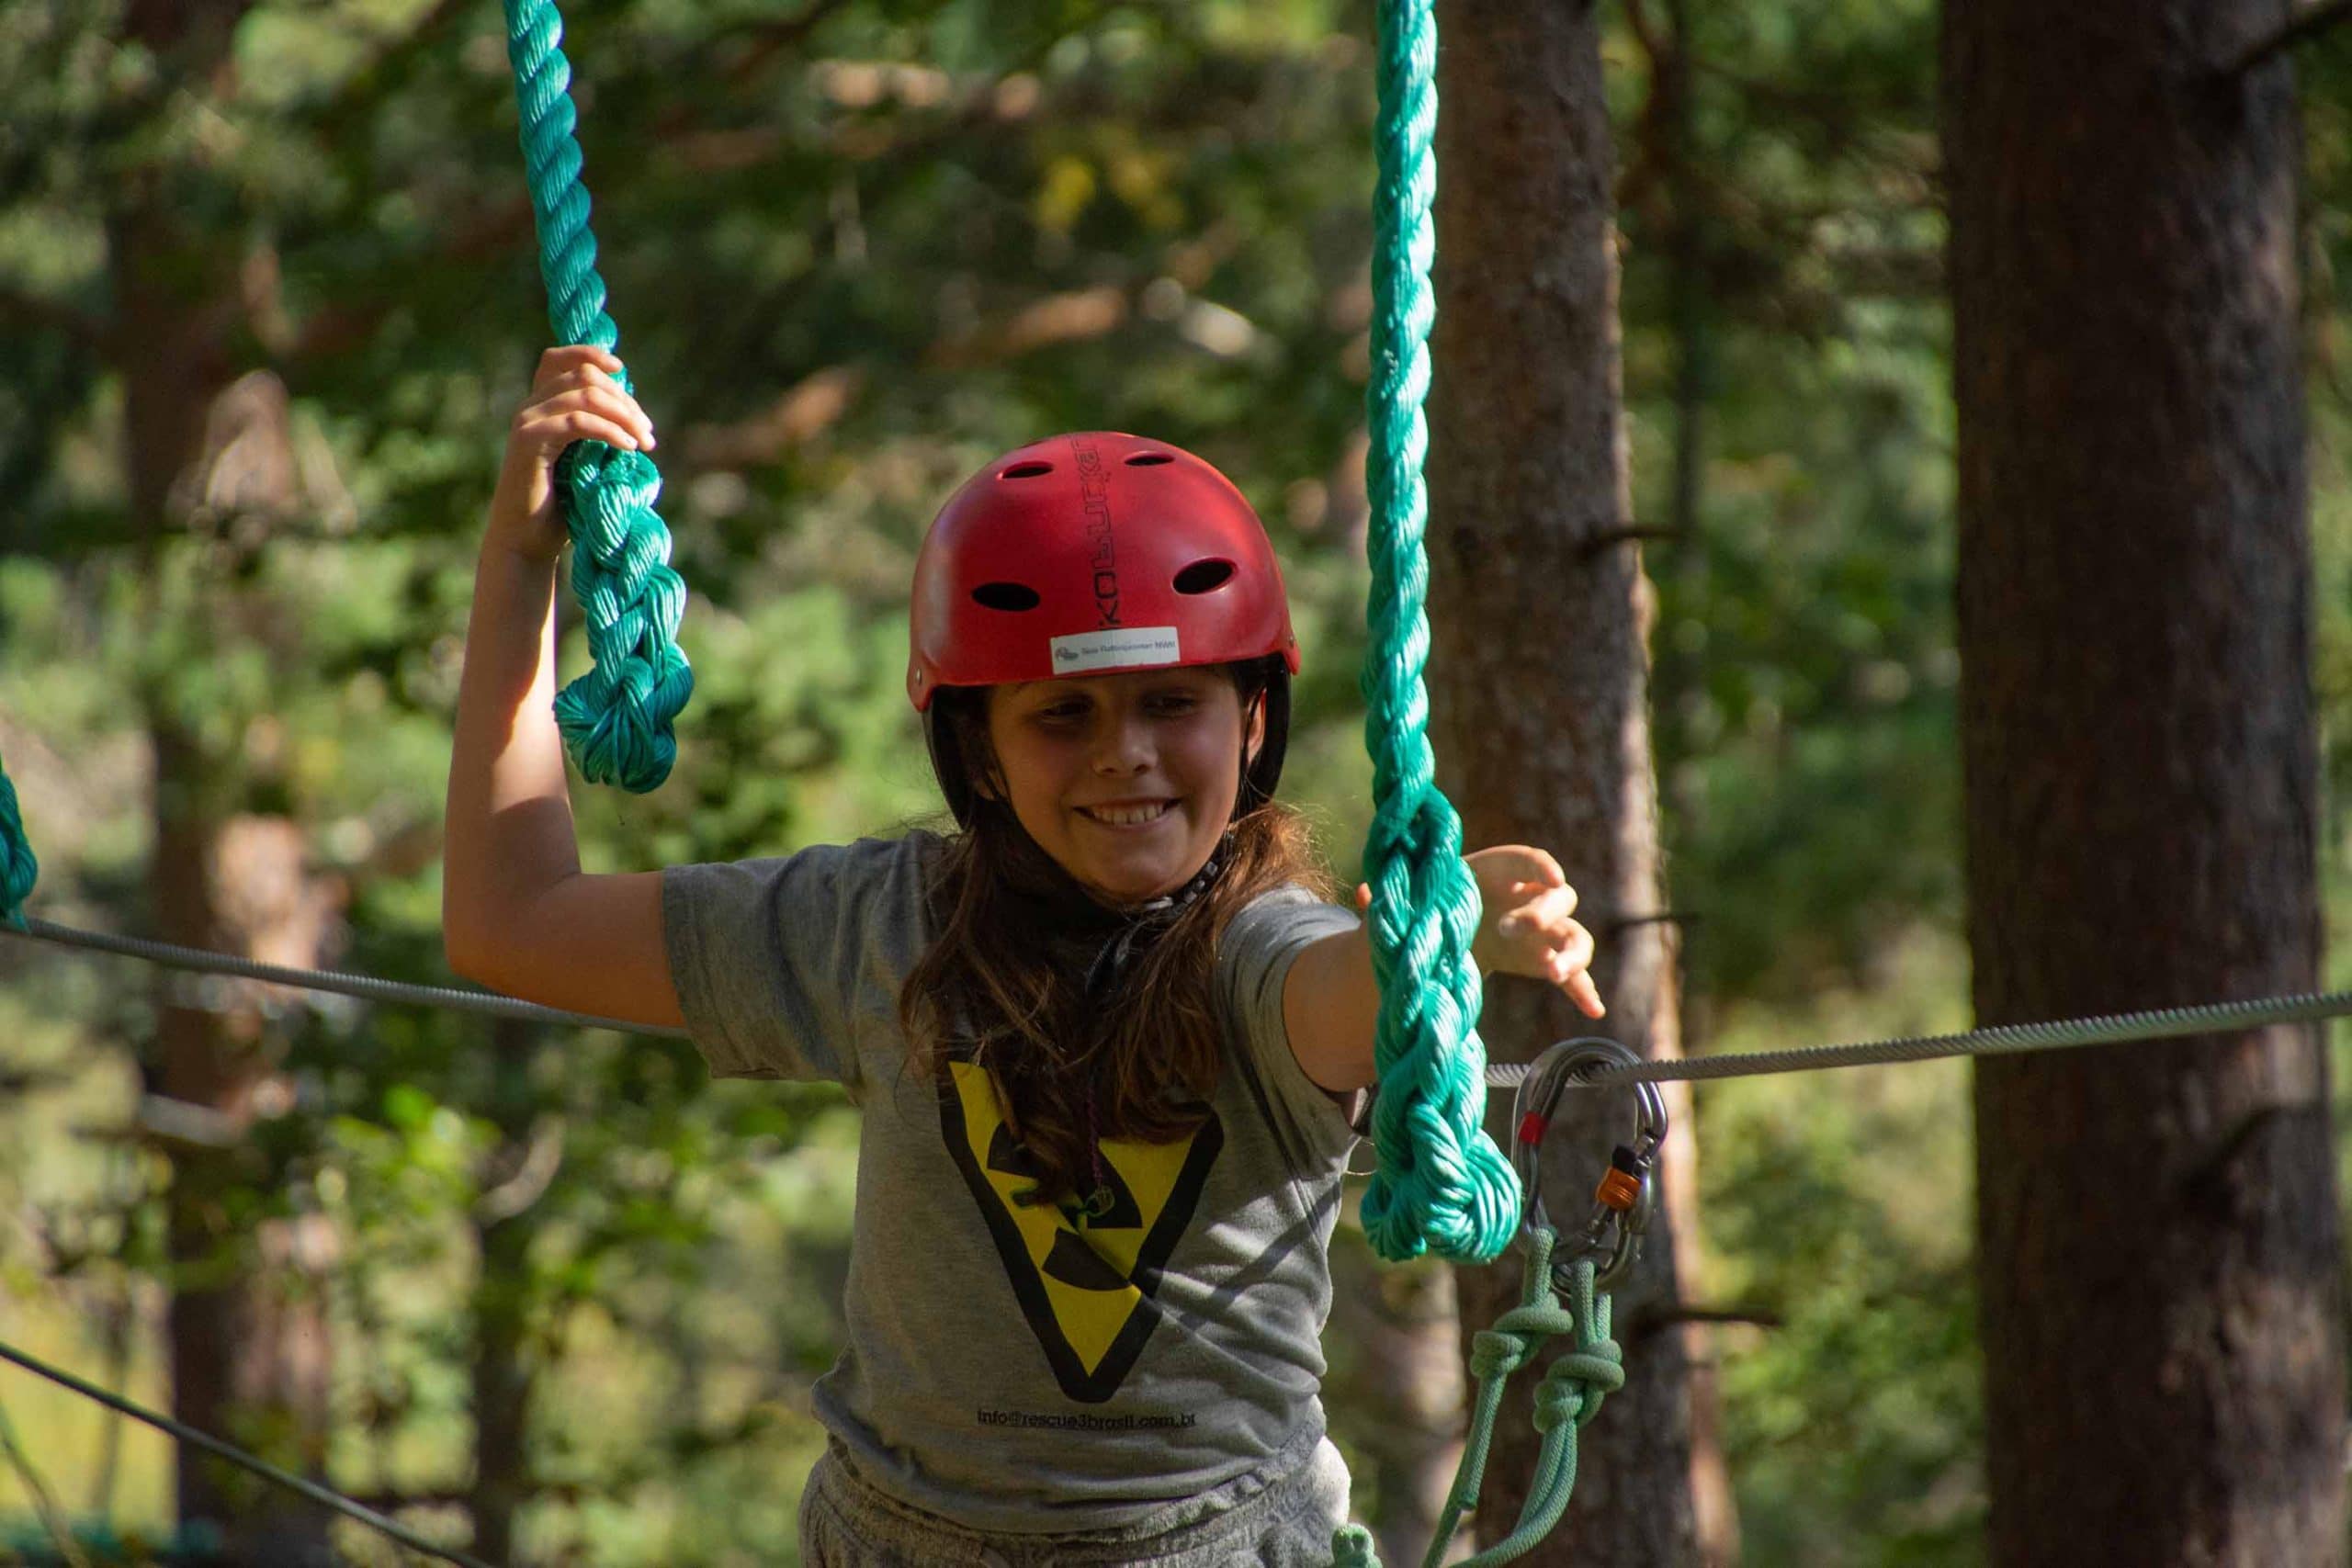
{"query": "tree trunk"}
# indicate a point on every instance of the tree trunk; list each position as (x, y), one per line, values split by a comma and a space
(2158, 1225)
(1406, 1389)
(249, 1352)
(1538, 674)
(499, 1370)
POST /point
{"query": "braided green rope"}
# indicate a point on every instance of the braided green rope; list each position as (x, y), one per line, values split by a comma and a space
(19, 869)
(1443, 1185)
(1568, 1396)
(615, 719)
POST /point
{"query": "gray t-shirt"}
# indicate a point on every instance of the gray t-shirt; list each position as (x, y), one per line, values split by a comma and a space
(1018, 1368)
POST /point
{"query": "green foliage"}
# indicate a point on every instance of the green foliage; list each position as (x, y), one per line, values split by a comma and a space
(850, 261)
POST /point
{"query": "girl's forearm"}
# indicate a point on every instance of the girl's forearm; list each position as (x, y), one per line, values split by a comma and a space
(509, 834)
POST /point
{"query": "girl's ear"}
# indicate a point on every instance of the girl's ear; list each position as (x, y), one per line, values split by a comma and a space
(1256, 738)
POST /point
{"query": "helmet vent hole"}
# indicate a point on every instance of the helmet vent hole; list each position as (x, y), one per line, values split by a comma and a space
(1204, 577)
(1149, 459)
(1027, 471)
(1006, 596)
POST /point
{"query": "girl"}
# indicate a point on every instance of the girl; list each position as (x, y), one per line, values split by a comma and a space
(1104, 1036)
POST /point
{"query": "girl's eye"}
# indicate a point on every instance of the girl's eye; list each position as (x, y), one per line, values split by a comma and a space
(1062, 713)
(1174, 703)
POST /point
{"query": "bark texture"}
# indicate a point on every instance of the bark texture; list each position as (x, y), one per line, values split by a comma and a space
(1405, 1397)
(249, 1352)
(2158, 1237)
(1539, 671)
(500, 1368)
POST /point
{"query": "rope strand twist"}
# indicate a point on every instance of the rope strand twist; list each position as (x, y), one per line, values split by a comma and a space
(1443, 1185)
(617, 719)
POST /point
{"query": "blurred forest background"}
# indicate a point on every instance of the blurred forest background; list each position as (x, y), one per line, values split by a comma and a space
(855, 247)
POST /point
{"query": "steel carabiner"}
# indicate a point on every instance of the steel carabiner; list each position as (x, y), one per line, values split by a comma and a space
(1627, 1196)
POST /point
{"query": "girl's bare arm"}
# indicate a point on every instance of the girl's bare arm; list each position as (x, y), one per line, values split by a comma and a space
(517, 912)
(1331, 1004)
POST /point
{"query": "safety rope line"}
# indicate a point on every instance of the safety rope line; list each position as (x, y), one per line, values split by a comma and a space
(615, 720)
(342, 983)
(237, 1456)
(1998, 1040)
(1568, 1396)
(1441, 1184)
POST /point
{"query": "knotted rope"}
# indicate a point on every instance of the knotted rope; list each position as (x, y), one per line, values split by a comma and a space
(615, 718)
(1441, 1185)
(19, 869)
(1568, 1396)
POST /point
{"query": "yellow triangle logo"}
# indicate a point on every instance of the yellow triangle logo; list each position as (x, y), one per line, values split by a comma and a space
(1085, 1283)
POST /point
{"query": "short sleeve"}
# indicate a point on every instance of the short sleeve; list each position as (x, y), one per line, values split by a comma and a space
(781, 963)
(1254, 956)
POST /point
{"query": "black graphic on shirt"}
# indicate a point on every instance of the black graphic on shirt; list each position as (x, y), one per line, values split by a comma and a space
(1085, 1284)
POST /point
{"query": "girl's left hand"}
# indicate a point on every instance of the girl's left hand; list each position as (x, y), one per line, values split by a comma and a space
(1527, 928)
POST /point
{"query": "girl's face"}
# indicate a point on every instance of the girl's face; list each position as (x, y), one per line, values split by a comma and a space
(1126, 780)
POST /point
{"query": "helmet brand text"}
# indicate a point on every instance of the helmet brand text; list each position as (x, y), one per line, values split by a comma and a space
(1094, 493)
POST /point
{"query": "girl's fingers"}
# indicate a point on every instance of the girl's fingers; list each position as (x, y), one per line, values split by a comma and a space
(542, 420)
(556, 432)
(1585, 993)
(1549, 911)
(568, 357)
(593, 385)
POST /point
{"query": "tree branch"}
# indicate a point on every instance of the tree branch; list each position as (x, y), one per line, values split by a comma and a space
(2303, 24)
(360, 91)
(1645, 1322)
(1626, 534)
(339, 329)
(764, 42)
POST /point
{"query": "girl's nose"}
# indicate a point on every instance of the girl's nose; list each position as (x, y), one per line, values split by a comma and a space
(1124, 747)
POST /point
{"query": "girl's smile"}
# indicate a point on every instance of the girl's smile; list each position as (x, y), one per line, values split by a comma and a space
(1129, 780)
(1128, 815)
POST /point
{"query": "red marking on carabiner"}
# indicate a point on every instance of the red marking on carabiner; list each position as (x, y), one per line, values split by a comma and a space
(1530, 1128)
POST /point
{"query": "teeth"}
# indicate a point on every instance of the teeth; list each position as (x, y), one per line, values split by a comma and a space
(1128, 816)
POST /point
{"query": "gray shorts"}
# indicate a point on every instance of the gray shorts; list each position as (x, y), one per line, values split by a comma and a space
(845, 1522)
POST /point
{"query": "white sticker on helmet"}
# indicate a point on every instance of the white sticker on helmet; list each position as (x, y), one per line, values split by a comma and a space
(1115, 647)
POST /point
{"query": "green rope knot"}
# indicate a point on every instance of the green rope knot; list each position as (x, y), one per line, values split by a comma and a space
(617, 719)
(19, 868)
(1575, 1385)
(1568, 1395)
(1501, 1351)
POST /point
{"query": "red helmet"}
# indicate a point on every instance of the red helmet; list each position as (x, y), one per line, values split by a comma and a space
(1093, 552)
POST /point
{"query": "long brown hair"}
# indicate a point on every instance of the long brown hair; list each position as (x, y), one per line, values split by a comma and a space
(1070, 1069)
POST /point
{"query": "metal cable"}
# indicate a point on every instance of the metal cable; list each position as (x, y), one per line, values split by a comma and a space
(2002, 1039)
(364, 985)
(267, 1472)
